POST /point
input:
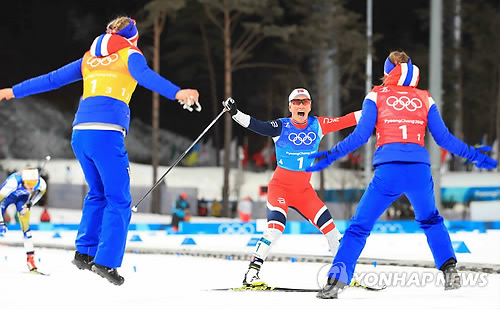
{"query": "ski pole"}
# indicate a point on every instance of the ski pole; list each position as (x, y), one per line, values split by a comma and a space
(47, 159)
(134, 208)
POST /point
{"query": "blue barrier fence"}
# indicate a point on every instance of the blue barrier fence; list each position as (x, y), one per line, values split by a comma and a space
(292, 227)
(464, 194)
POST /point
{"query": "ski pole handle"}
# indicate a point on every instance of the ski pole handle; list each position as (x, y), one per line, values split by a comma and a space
(134, 208)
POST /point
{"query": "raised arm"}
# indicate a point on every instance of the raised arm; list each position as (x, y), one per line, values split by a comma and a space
(358, 137)
(63, 76)
(266, 128)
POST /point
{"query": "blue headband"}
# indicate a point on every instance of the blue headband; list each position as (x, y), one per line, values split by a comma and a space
(130, 31)
(388, 65)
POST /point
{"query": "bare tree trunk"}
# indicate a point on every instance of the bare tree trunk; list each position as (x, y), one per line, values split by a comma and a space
(458, 70)
(321, 109)
(457, 36)
(158, 24)
(213, 90)
(228, 122)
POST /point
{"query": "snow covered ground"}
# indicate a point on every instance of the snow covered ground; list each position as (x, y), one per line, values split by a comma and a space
(181, 281)
(167, 281)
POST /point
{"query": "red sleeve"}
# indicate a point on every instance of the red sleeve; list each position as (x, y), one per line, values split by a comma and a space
(335, 124)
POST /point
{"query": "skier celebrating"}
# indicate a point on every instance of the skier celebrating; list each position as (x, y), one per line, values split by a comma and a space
(295, 138)
(400, 114)
(110, 70)
(23, 189)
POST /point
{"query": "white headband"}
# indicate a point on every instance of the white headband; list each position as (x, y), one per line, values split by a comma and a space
(30, 174)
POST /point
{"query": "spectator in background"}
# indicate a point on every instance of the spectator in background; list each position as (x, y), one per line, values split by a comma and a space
(245, 209)
(202, 207)
(181, 211)
(67, 176)
(234, 208)
(215, 208)
(45, 216)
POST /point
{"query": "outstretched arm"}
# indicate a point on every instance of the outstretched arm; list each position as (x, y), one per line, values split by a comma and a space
(149, 79)
(363, 130)
(63, 76)
(266, 128)
(450, 142)
(333, 124)
(358, 137)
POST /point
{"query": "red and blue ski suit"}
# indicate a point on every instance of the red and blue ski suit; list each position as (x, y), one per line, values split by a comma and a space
(400, 113)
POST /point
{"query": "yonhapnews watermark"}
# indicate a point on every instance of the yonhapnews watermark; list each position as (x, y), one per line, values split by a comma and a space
(398, 278)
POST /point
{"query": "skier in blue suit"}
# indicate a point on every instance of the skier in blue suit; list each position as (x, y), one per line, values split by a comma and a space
(22, 189)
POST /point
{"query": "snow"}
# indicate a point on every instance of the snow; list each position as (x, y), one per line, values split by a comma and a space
(183, 281)
(166, 281)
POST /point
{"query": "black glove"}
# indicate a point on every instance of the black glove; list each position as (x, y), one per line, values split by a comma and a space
(29, 204)
(230, 106)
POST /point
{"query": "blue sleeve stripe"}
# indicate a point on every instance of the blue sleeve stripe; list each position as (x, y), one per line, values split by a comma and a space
(409, 75)
(98, 46)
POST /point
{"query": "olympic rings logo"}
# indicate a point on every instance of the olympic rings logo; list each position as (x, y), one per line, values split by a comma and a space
(236, 228)
(95, 61)
(388, 228)
(403, 102)
(302, 138)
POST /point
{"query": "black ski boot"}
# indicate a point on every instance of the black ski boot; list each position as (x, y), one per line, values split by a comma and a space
(83, 261)
(332, 289)
(111, 274)
(451, 276)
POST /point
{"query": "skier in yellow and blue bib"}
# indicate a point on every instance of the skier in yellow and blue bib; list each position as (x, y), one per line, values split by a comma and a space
(110, 70)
